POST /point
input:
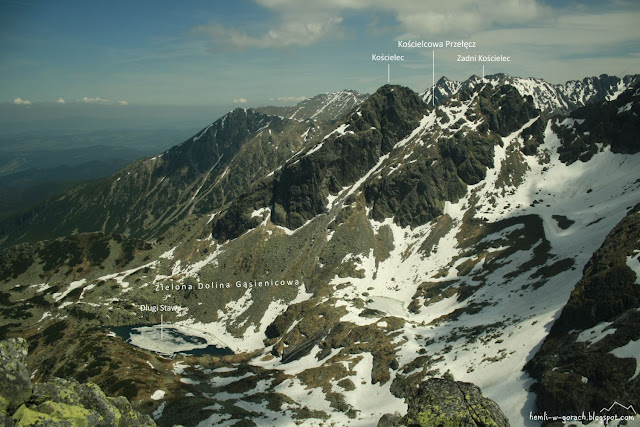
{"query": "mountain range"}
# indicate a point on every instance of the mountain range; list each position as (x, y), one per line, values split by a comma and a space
(470, 253)
(549, 98)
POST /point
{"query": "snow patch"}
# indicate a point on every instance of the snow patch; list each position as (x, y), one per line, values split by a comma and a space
(72, 286)
(633, 262)
(158, 395)
(595, 334)
(630, 350)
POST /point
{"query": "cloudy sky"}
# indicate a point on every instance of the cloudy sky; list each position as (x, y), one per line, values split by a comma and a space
(257, 52)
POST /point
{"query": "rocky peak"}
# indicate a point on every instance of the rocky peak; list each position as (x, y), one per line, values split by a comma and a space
(298, 192)
(221, 138)
(322, 107)
(392, 110)
(149, 195)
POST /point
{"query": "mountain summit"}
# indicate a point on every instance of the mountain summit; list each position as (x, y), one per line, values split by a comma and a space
(323, 107)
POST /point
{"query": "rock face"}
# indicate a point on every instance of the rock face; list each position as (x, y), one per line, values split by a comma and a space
(57, 402)
(613, 124)
(448, 403)
(587, 362)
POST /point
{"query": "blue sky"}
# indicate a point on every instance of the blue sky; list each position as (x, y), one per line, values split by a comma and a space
(257, 52)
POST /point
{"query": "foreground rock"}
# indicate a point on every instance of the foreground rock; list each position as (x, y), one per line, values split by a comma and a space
(448, 403)
(57, 402)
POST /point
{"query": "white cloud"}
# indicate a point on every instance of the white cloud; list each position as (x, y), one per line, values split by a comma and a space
(60, 101)
(463, 18)
(95, 100)
(292, 31)
(20, 101)
(572, 45)
(304, 22)
(568, 33)
(101, 101)
(239, 101)
(288, 98)
(421, 18)
(498, 26)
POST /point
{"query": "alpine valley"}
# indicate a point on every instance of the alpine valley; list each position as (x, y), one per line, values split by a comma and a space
(468, 256)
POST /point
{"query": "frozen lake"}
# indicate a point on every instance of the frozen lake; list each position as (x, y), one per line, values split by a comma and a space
(169, 340)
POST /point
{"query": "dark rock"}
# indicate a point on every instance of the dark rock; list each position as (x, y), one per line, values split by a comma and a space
(347, 384)
(505, 109)
(615, 124)
(417, 192)
(607, 287)
(390, 420)
(533, 136)
(5, 419)
(442, 402)
(563, 221)
(371, 312)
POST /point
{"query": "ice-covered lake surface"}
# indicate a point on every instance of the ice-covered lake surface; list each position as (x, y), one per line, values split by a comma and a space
(169, 340)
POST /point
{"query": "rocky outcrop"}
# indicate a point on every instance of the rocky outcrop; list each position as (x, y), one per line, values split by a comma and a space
(586, 363)
(57, 402)
(448, 403)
